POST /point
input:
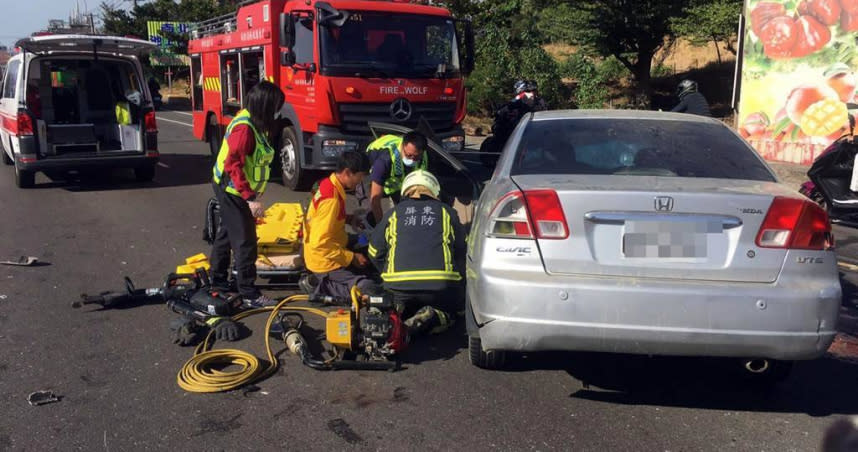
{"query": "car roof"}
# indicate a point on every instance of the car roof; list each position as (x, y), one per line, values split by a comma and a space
(621, 114)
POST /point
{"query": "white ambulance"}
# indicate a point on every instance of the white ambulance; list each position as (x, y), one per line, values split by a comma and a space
(73, 102)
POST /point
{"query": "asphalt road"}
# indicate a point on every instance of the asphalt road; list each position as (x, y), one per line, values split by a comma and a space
(115, 370)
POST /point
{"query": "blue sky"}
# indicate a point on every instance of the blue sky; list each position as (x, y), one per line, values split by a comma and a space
(22, 17)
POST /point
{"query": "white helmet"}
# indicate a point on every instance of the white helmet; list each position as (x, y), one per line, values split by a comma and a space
(423, 178)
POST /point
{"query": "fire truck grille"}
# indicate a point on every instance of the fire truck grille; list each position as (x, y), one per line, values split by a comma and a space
(355, 116)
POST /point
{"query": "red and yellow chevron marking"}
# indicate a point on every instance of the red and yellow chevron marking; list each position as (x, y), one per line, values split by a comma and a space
(211, 84)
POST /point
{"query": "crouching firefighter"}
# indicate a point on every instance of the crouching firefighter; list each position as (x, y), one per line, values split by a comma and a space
(419, 247)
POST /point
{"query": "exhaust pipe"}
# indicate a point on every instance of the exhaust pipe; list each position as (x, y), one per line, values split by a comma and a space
(757, 366)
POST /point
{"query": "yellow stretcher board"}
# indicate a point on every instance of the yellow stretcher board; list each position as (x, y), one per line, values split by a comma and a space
(278, 245)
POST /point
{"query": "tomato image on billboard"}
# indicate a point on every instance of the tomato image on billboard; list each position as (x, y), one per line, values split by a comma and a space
(798, 76)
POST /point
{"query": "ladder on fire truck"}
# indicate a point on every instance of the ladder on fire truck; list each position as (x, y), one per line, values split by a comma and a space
(226, 23)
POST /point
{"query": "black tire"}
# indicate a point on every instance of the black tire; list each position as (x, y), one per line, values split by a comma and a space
(144, 173)
(290, 164)
(6, 159)
(491, 360)
(24, 179)
(215, 137)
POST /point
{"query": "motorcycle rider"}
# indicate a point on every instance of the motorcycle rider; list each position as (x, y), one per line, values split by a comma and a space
(690, 100)
(526, 100)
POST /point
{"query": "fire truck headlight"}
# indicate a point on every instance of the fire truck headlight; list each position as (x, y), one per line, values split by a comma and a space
(454, 144)
(333, 148)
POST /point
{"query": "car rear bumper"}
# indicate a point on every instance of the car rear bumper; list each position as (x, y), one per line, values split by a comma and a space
(66, 163)
(777, 321)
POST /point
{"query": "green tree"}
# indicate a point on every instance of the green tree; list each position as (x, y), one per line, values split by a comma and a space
(508, 47)
(710, 21)
(632, 31)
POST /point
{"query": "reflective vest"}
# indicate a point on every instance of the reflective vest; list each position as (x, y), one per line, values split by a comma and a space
(415, 245)
(392, 143)
(257, 166)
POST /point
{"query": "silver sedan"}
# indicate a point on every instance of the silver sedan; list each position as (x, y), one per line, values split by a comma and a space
(646, 233)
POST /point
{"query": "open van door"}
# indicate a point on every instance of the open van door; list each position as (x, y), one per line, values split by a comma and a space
(81, 43)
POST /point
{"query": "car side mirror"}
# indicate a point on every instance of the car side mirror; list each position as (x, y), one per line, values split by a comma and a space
(287, 30)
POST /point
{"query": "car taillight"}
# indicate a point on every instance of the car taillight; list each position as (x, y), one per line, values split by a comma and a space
(520, 214)
(546, 214)
(509, 217)
(149, 121)
(795, 224)
(25, 123)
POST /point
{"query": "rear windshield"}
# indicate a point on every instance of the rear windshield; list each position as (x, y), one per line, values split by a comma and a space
(636, 147)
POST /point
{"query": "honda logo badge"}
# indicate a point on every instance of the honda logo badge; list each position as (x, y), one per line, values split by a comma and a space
(663, 203)
(400, 110)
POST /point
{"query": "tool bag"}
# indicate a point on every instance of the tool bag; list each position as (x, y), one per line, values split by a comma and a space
(212, 222)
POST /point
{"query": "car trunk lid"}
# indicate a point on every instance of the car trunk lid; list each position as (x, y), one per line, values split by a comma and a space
(660, 227)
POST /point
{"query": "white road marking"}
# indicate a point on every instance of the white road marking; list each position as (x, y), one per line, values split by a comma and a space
(163, 165)
(161, 118)
(848, 267)
(180, 112)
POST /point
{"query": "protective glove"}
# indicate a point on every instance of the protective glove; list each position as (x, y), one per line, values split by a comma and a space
(185, 331)
(226, 329)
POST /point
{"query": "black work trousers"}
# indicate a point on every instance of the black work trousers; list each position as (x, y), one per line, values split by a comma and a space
(236, 237)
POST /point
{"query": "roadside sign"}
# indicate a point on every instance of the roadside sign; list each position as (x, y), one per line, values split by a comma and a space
(161, 33)
(797, 77)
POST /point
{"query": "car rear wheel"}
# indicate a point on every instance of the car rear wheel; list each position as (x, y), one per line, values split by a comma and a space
(290, 165)
(23, 178)
(214, 137)
(492, 359)
(144, 173)
(6, 159)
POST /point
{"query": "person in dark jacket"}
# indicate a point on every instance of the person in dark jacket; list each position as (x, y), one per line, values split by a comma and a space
(690, 100)
(419, 248)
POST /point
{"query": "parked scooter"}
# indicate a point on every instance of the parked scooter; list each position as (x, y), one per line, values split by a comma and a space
(832, 184)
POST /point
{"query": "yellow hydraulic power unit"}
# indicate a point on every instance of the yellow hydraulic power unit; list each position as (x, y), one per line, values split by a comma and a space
(338, 329)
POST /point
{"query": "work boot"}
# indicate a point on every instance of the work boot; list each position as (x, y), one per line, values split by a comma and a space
(428, 320)
(259, 302)
(308, 283)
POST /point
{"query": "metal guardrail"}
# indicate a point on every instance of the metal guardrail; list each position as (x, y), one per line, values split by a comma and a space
(220, 24)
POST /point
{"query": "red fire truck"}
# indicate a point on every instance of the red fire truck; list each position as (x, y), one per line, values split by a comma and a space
(341, 64)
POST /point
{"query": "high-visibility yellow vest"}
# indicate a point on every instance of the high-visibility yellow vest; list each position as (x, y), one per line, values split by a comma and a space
(393, 143)
(257, 166)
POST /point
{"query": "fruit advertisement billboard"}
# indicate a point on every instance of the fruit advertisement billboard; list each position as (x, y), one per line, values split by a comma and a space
(798, 79)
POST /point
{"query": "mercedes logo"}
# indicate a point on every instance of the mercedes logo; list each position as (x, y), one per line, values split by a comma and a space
(400, 110)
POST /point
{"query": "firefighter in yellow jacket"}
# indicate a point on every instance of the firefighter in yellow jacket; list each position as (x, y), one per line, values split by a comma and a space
(326, 243)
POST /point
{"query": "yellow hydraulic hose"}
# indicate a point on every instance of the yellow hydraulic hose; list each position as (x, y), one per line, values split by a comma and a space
(202, 372)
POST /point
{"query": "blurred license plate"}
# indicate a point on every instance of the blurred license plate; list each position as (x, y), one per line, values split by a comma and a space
(660, 239)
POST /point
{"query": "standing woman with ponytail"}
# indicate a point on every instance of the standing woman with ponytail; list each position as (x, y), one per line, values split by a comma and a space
(240, 175)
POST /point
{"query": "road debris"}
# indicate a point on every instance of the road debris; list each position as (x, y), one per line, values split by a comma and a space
(24, 261)
(42, 398)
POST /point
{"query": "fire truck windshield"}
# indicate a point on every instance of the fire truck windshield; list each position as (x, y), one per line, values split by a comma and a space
(372, 44)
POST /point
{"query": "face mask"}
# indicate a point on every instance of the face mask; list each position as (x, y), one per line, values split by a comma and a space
(407, 161)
